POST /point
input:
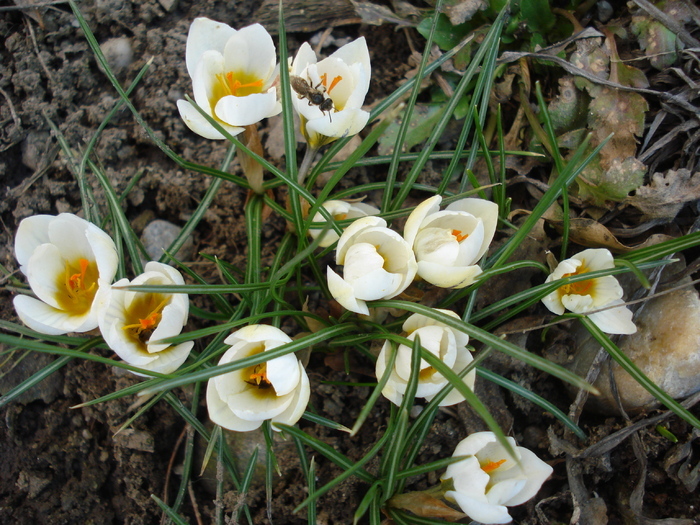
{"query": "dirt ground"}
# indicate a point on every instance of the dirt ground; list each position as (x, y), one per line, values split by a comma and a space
(63, 466)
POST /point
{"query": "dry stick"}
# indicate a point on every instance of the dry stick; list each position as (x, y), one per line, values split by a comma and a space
(49, 75)
(193, 500)
(164, 517)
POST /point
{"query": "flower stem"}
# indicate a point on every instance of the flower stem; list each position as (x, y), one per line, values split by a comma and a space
(309, 156)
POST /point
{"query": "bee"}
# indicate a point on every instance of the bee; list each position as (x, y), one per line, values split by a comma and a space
(314, 95)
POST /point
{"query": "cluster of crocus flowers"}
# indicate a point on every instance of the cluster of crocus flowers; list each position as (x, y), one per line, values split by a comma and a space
(276, 390)
(340, 210)
(448, 244)
(133, 323)
(233, 77)
(489, 479)
(330, 102)
(442, 247)
(446, 343)
(378, 264)
(600, 298)
(69, 263)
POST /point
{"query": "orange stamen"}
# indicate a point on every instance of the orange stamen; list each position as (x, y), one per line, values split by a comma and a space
(150, 322)
(334, 83)
(579, 288)
(77, 280)
(259, 376)
(324, 79)
(490, 466)
(459, 235)
(234, 84)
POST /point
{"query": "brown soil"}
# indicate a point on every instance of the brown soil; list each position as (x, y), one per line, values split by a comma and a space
(62, 465)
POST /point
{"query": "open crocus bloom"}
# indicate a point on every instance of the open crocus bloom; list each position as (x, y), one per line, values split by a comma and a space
(449, 243)
(344, 78)
(489, 479)
(439, 339)
(133, 322)
(69, 263)
(340, 210)
(277, 390)
(378, 264)
(585, 296)
(232, 73)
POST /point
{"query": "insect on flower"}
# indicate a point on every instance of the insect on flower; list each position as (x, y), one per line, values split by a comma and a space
(316, 95)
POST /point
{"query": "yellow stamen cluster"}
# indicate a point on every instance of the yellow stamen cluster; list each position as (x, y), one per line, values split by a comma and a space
(76, 283)
(578, 288)
(146, 325)
(259, 376)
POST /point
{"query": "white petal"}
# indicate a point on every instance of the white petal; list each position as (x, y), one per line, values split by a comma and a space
(596, 259)
(356, 52)
(468, 477)
(32, 232)
(344, 293)
(251, 51)
(448, 276)
(479, 510)
(303, 58)
(615, 321)
(339, 124)
(257, 333)
(205, 35)
(167, 361)
(104, 253)
(172, 321)
(485, 210)
(197, 123)
(43, 270)
(505, 490)
(356, 228)
(251, 406)
(300, 400)
(44, 319)
(536, 471)
(220, 413)
(553, 303)
(244, 111)
(418, 215)
(283, 373)
(68, 233)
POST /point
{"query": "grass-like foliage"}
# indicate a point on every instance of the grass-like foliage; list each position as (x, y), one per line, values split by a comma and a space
(274, 291)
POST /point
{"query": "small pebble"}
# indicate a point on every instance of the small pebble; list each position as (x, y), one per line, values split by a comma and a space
(159, 234)
(118, 53)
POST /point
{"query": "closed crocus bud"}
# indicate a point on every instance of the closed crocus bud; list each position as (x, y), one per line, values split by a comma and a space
(448, 244)
(134, 322)
(444, 342)
(489, 479)
(340, 210)
(69, 263)
(276, 390)
(232, 73)
(592, 294)
(330, 93)
(378, 264)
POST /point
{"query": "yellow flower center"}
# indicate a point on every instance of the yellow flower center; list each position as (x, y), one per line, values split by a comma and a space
(340, 216)
(146, 311)
(77, 286)
(238, 84)
(258, 376)
(490, 466)
(459, 235)
(578, 288)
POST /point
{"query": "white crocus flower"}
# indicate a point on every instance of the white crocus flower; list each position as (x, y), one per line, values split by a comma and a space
(378, 264)
(276, 390)
(232, 73)
(69, 263)
(340, 210)
(488, 480)
(343, 78)
(133, 322)
(592, 294)
(448, 344)
(448, 244)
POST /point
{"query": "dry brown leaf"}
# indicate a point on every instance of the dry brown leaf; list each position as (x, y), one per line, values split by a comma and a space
(592, 234)
(426, 506)
(459, 11)
(666, 194)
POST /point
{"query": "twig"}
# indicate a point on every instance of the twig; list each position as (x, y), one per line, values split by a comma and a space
(15, 118)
